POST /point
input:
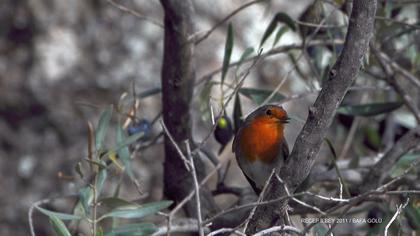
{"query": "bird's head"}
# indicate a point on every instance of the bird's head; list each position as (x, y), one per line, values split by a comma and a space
(270, 114)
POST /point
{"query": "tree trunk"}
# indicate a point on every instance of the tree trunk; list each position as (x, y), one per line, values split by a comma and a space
(177, 88)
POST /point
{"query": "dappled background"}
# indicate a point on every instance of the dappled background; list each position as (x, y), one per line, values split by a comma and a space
(63, 62)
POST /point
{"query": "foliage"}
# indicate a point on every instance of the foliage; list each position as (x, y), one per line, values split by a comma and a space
(90, 196)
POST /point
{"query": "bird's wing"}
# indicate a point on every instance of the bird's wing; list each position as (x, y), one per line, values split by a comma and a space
(252, 183)
(284, 149)
(238, 134)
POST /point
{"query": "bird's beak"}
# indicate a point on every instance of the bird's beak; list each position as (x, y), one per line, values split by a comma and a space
(285, 120)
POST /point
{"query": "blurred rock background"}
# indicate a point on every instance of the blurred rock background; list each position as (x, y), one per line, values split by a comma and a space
(62, 61)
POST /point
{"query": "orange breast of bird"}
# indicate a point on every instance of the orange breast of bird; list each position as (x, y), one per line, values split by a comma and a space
(260, 140)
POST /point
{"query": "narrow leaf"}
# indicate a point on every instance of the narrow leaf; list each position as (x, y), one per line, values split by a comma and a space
(248, 51)
(270, 29)
(59, 227)
(331, 147)
(228, 51)
(78, 211)
(149, 92)
(279, 17)
(78, 169)
(91, 140)
(259, 95)
(237, 113)
(102, 127)
(334, 165)
(280, 32)
(204, 101)
(373, 137)
(137, 211)
(115, 202)
(100, 232)
(371, 109)
(85, 198)
(101, 181)
(61, 216)
(403, 163)
(114, 158)
(123, 152)
(320, 229)
(96, 163)
(141, 229)
(286, 19)
(413, 214)
(131, 139)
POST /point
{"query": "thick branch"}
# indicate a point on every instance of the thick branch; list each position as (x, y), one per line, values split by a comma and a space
(381, 169)
(321, 114)
(177, 87)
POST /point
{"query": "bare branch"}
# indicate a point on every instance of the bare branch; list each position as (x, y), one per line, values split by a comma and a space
(390, 78)
(378, 172)
(413, 26)
(399, 210)
(178, 149)
(260, 199)
(272, 52)
(321, 114)
(226, 230)
(31, 211)
(179, 226)
(283, 228)
(196, 188)
(413, 79)
(177, 77)
(203, 182)
(134, 13)
(198, 39)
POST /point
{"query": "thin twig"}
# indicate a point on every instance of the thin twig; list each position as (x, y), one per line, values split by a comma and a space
(244, 75)
(314, 208)
(333, 199)
(181, 154)
(346, 147)
(339, 217)
(272, 52)
(260, 198)
(95, 205)
(302, 54)
(198, 39)
(196, 188)
(254, 204)
(30, 213)
(380, 190)
(179, 226)
(350, 138)
(191, 194)
(399, 210)
(401, 70)
(321, 26)
(413, 26)
(406, 171)
(283, 228)
(226, 230)
(244, 206)
(37, 204)
(390, 78)
(135, 13)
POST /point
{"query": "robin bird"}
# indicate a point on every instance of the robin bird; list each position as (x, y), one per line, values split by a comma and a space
(260, 145)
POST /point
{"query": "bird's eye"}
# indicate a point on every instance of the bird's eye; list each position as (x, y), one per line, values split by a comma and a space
(268, 112)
